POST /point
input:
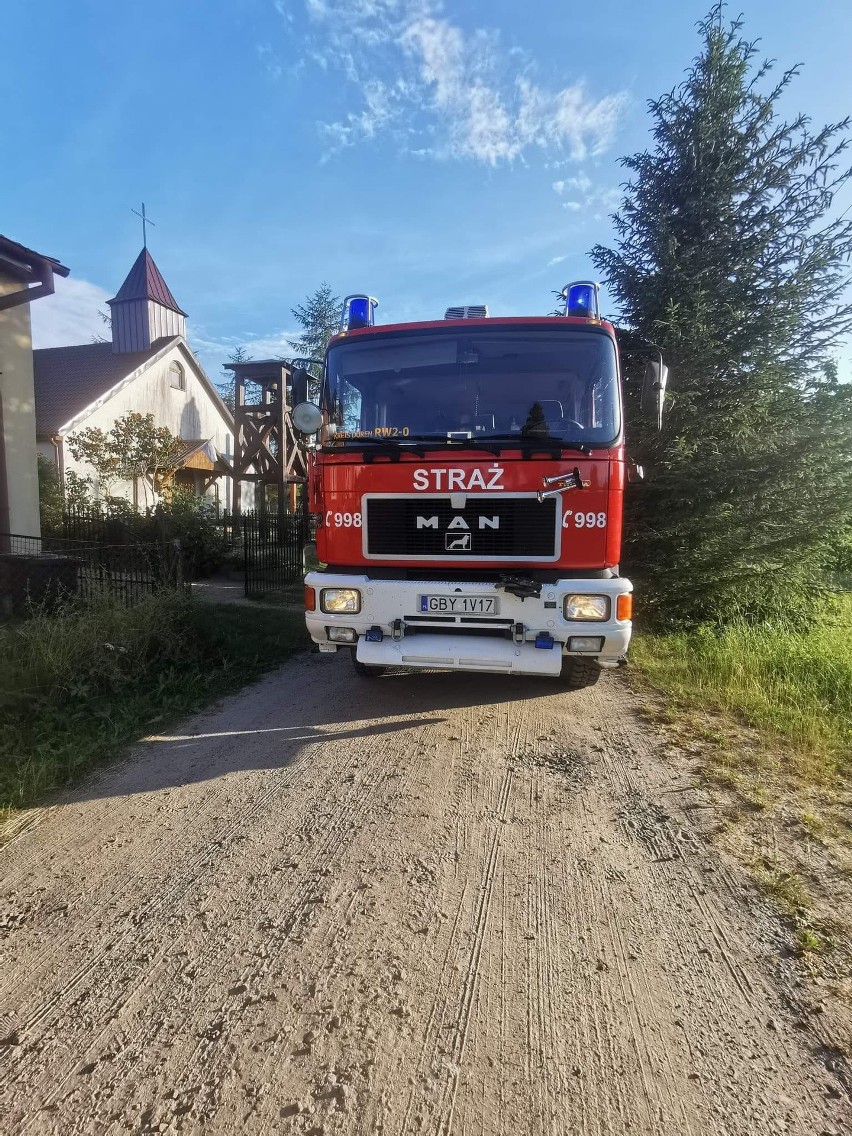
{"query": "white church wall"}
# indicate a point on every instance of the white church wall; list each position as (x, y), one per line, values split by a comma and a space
(189, 413)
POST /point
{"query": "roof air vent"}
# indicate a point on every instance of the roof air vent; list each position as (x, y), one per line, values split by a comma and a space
(469, 312)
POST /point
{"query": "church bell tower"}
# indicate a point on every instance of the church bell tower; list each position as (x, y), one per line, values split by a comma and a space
(144, 310)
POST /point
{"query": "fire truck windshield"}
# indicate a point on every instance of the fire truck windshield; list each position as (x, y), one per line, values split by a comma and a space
(480, 383)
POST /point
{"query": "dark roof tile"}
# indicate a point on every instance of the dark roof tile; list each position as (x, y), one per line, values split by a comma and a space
(68, 379)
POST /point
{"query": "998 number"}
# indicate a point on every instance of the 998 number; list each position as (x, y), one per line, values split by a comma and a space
(584, 520)
(343, 520)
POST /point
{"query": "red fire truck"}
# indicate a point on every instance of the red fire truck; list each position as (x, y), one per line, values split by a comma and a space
(467, 481)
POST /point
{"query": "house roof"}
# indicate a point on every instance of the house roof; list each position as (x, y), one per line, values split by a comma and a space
(144, 282)
(68, 379)
(26, 262)
(194, 454)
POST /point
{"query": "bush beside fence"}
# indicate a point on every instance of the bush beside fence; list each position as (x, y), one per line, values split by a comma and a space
(41, 573)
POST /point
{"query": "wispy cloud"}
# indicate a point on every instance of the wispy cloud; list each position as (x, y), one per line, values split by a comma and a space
(555, 260)
(444, 92)
(593, 200)
(272, 346)
(70, 316)
(213, 352)
(383, 106)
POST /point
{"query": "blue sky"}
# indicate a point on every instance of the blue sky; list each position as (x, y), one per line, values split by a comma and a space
(429, 153)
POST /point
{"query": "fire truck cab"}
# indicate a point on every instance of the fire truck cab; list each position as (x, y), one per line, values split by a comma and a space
(467, 486)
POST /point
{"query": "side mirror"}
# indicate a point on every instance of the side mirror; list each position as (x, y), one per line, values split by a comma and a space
(307, 418)
(654, 390)
(635, 472)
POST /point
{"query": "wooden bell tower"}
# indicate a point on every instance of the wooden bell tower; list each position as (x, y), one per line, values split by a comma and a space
(267, 449)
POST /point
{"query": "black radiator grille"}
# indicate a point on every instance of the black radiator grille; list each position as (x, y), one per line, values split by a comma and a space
(517, 527)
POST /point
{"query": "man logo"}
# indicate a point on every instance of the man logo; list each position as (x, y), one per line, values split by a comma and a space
(457, 543)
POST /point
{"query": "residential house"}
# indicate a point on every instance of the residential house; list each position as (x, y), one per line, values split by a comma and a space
(25, 276)
(147, 367)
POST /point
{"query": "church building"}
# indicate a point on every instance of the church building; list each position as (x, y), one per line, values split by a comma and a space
(146, 367)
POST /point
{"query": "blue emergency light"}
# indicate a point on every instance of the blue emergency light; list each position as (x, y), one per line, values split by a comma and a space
(581, 299)
(358, 311)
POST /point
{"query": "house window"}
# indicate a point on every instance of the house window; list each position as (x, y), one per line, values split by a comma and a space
(177, 378)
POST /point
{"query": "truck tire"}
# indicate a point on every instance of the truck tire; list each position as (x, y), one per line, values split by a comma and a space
(578, 672)
(365, 671)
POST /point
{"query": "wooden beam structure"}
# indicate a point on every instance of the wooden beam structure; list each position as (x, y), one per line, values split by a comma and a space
(267, 449)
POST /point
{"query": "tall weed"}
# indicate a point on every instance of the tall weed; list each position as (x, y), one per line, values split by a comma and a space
(796, 684)
(77, 684)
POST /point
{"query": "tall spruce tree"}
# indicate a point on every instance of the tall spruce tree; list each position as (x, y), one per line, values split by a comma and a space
(727, 255)
(227, 383)
(319, 318)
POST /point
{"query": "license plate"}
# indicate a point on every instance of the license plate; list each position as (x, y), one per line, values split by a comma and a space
(459, 605)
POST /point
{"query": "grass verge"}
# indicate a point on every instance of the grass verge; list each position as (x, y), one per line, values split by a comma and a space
(76, 686)
(794, 686)
(764, 715)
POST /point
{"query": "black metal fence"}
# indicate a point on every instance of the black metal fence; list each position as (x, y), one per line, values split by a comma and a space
(231, 527)
(43, 572)
(273, 549)
(95, 527)
(99, 526)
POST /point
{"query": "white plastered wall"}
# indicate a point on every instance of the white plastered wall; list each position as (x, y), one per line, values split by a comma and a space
(19, 493)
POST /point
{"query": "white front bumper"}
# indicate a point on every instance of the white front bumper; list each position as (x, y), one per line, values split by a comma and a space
(460, 652)
(384, 602)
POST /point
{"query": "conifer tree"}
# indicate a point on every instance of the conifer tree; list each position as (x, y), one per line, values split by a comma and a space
(227, 383)
(319, 318)
(728, 255)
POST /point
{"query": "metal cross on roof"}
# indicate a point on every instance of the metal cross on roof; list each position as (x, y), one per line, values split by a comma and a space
(145, 221)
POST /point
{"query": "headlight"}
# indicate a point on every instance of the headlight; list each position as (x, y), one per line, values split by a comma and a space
(342, 634)
(340, 601)
(586, 608)
(586, 644)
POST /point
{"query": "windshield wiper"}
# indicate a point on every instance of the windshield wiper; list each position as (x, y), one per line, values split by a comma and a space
(458, 441)
(493, 443)
(545, 440)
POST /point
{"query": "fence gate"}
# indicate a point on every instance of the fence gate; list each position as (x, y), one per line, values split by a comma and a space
(273, 547)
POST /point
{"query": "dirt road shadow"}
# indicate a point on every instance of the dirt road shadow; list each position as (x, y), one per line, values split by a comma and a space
(311, 700)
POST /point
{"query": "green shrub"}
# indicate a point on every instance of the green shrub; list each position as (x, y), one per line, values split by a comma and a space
(50, 501)
(192, 521)
(77, 685)
(184, 517)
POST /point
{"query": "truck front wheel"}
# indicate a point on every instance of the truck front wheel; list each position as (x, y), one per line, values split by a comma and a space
(578, 672)
(364, 670)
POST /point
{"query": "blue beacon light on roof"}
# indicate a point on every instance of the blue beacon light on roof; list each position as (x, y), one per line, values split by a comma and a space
(581, 299)
(359, 311)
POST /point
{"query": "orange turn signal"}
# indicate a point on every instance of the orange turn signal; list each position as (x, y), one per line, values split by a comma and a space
(624, 606)
(310, 599)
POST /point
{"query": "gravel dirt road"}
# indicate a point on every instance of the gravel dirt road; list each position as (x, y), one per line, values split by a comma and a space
(424, 904)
